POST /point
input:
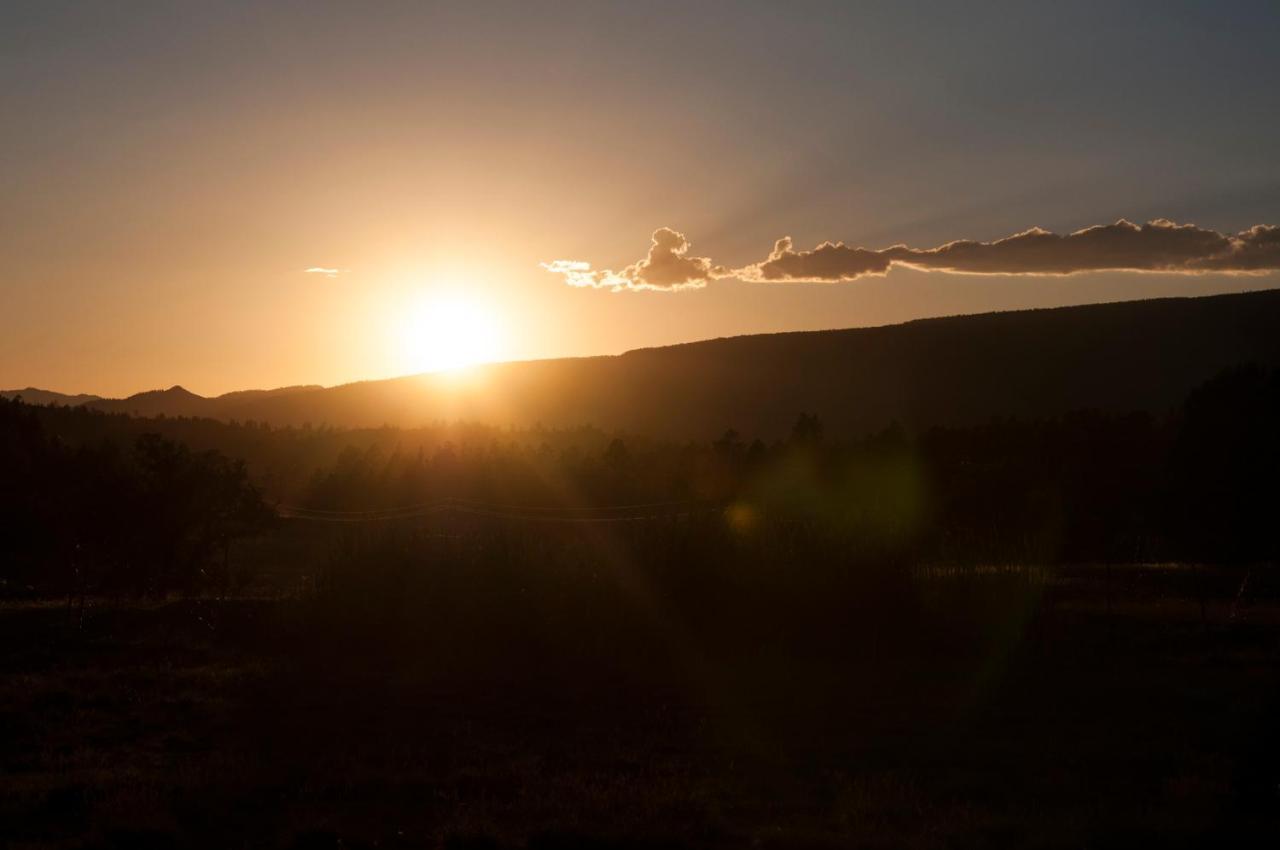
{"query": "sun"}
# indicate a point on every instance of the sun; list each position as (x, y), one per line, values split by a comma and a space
(444, 332)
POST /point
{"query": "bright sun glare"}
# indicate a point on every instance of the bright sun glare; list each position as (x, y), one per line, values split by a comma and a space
(444, 333)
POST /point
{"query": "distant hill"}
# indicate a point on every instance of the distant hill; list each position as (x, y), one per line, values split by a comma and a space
(31, 395)
(1140, 355)
(175, 401)
(179, 401)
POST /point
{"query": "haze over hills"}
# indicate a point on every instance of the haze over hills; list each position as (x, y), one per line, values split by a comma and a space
(175, 401)
(1140, 355)
(32, 395)
(179, 401)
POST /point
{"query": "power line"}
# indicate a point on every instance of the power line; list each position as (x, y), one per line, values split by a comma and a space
(498, 510)
(371, 512)
(578, 519)
(565, 509)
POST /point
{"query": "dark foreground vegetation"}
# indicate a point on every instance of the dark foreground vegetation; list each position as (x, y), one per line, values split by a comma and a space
(1059, 633)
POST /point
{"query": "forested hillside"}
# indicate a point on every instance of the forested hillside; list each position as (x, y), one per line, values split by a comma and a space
(1141, 355)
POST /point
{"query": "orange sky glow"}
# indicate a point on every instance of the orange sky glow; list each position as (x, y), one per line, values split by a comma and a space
(258, 197)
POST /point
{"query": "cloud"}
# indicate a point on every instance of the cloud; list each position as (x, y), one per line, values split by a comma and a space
(829, 261)
(667, 268)
(324, 271)
(1254, 250)
(1157, 246)
(1160, 245)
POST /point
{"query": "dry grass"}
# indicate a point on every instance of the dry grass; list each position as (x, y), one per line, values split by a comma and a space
(1085, 722)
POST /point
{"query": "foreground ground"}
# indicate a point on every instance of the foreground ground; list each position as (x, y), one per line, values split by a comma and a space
(1107, 712)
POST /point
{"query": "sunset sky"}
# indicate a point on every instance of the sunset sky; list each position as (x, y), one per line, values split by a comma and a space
(264, 194)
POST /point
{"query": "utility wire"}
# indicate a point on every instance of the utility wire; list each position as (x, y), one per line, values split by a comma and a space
(473, 507)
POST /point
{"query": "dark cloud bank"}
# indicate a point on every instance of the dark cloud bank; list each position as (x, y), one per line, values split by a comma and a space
(1157, 246)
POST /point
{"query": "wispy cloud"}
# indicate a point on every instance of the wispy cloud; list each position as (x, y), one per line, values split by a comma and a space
(324, 271)
(1157, 246)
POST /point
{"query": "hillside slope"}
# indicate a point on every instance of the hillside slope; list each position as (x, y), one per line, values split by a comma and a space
(1140, 355)
(32, 395)
(179, 401)
(1135, 355)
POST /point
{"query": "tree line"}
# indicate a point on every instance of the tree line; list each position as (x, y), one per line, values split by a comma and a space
(1198, 484)
(153, 505)
(147, 517)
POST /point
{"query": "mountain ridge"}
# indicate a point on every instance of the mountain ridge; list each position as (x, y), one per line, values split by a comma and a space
(35, 395)
(1132, 355)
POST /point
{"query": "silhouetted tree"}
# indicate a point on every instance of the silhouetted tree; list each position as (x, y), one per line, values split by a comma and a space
(155, 519)
(1223, 499)
(807, 430)
(616, 455)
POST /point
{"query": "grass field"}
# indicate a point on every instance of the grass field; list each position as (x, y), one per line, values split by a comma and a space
(1100, 709)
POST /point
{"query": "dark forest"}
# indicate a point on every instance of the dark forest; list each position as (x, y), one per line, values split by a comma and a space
(807, 623)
